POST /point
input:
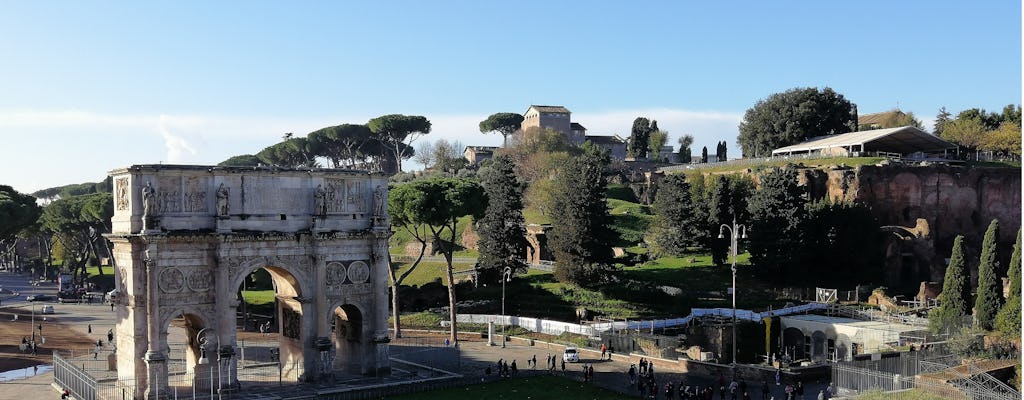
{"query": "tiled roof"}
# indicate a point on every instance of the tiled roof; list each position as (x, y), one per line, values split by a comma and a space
(550, 109)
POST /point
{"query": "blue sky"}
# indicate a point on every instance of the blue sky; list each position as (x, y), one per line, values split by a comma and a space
(91, 86)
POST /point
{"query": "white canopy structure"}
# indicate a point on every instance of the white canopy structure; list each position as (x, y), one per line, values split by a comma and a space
(903, 140)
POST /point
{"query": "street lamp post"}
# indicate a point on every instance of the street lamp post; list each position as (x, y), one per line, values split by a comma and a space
(735, 232)
(505, 277)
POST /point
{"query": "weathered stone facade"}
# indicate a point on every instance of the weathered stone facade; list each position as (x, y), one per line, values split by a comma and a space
(950, 200)
(185, 237)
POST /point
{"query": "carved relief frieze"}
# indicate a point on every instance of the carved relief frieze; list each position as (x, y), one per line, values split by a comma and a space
(291, 322)
(336, 273)
(358, 272)
(169, 194)
(186, 298)
(194, 196)
(356, 201)
(171, 280)
(334, 201)
(122, 194)
(200, 280)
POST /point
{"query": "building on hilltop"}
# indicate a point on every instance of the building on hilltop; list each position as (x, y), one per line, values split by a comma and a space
(477, 154)
(555, 118)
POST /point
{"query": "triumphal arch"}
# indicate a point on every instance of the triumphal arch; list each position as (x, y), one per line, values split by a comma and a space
(185, 238)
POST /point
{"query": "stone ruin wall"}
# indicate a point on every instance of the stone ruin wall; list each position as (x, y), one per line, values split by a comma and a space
(951, 200)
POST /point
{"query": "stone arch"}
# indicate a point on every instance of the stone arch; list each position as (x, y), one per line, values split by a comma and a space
(195, 321)
(793, 342)
(350, 334)
(291, 285)
(280, 272)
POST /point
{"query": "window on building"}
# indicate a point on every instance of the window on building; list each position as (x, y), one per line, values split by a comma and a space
(807, 346)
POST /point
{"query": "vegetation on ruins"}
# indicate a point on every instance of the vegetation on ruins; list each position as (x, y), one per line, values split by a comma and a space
(990, 289)
(956, 293)
(1008, 319)
(793, 116)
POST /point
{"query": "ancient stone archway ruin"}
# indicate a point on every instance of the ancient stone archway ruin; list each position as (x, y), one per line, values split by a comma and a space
(185, 237)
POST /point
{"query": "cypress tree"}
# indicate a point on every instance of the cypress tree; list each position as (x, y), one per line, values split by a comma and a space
(956, 292)
(675, 226)
(990, 288)
(720, 212)
(1008, 319)
(502, 229)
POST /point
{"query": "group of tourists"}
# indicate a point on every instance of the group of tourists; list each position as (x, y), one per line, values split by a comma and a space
(588, 372)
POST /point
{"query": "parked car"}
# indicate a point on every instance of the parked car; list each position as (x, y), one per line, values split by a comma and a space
(41, 297)
(571, 354)
(47, 309)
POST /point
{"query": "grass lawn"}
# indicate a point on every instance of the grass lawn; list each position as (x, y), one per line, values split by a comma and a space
(534, 387)
(258, 297)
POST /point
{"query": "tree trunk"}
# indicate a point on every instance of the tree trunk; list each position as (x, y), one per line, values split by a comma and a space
(394, 311)
(396, 283)
(448, 249)
(453, 332)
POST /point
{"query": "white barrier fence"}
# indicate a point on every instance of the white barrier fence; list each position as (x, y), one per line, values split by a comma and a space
(592, 330)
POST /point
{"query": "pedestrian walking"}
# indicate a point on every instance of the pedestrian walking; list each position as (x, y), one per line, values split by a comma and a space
(534, 361)
(110, 336)
(515, 369)
(632, 373)
(799, 390)
(765, 390)
(611, 349)
(90, 328)
(563, 366)
(604, 350)
(111, 306)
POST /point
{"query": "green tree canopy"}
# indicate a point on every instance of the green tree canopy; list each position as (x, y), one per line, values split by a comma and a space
(1008, 319)
(639, 137)
(344, 145)
(777, 215)
(17, 211)
(793, 116)
(990, 288)
(675, 226)
(244, 160)
(655, 142)
(948, 317)
(847, 229)
(504, 123)
(437, 204)
(503, 229)
(581, 235)
(685, 152)
(398, 131)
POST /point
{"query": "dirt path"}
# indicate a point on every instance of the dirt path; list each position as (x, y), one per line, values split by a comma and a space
(57, 336)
